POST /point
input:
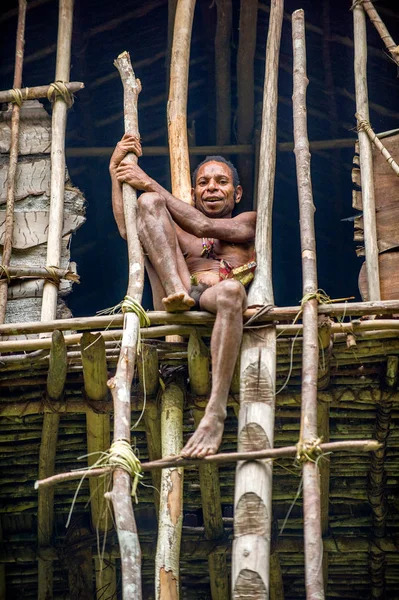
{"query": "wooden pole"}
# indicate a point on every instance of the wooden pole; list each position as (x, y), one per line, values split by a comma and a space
(246, 88)
(48, 445)
(376, 20)
(308, 433)
(167, 558)
(12, 169)
(365, 125)
(41, 91)
(253, 493)
(366, 154)
(223, 70)
(177, 103)
(120, 385)
(167, 584)
(200, 384)
(95, 376)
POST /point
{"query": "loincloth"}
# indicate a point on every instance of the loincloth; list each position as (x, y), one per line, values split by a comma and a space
(243, 273)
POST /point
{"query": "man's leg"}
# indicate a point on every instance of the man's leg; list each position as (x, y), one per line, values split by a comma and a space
(158, 237)
(228, 300)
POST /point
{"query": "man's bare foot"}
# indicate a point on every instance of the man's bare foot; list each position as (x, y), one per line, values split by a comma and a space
(206, 439)
(178, 302)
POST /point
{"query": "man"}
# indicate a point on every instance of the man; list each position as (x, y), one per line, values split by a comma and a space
(198, 256)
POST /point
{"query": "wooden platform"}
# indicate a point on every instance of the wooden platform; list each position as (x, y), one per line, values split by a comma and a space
(356, 386)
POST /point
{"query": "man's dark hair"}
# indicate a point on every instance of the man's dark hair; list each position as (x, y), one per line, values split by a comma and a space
(236, 179)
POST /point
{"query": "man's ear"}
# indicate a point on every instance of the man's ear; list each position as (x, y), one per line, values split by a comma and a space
(193, 196)
(238, 194)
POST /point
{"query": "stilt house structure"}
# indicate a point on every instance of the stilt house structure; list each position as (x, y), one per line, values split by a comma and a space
(302, 500)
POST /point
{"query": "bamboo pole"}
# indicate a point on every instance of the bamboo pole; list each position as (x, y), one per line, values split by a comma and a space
(167, 557)
(308, 433)
(120, 385)
(376, 20)
(366, 154)
(252, 519)
(94, 363)
(177, 102)
(57, 369)
(48, 445)
(38, 273)
(223, 70)
(12, 169)
(41, 91)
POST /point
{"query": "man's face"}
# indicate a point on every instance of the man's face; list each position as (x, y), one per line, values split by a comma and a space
(214, 194)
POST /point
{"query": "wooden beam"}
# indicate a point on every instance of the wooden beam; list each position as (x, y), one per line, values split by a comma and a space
(198, 368)
(80, 563)
(323, 428)
(366, 154)
(148, 370)
(40, 91)
(376, 20)
(95, 378)
(57, 370)
(276, 578)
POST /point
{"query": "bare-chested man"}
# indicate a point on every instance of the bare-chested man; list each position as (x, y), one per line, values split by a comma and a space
(198, 256)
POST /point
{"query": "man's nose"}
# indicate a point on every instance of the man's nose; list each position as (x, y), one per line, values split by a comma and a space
(212, 185)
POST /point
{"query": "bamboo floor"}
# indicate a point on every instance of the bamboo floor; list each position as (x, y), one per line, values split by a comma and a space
(357, 379)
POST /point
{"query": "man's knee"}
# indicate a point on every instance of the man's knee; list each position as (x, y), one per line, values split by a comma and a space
(231, 295)
(149, 202)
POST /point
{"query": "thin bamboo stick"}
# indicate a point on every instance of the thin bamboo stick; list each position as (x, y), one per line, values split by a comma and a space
(48, 445)
(366, 154)
(120, 385)
(308, 434)
(41, 91)
(220, 459)
(253, 492)
(37, 273)
(12, 169)
(376, 20)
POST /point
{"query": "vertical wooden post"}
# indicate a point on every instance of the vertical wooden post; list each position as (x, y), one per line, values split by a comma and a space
(50, 292)
(95, 377)
(198, 369)
(177, 103)
(308, 433)
(171, 501)
(121, 384)
(366, 154)
(253, 493)
(223, 70)
(12, 169)
(246, 88)
(148, 369)
(171, 505)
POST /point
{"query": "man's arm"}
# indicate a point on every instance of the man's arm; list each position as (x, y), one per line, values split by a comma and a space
(238, 230)
(128, 143)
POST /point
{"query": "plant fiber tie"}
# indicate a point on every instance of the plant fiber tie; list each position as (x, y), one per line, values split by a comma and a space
(58, 89)
(17, 97)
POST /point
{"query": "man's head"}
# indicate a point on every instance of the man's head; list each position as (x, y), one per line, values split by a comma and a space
(216, 187)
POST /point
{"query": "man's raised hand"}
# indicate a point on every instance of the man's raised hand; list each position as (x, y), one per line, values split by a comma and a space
(134, 176)
(129, 143)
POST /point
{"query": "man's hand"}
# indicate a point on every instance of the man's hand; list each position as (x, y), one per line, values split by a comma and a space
(129, 143)
(134, 176)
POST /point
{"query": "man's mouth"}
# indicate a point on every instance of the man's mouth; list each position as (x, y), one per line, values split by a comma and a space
(213, 199)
